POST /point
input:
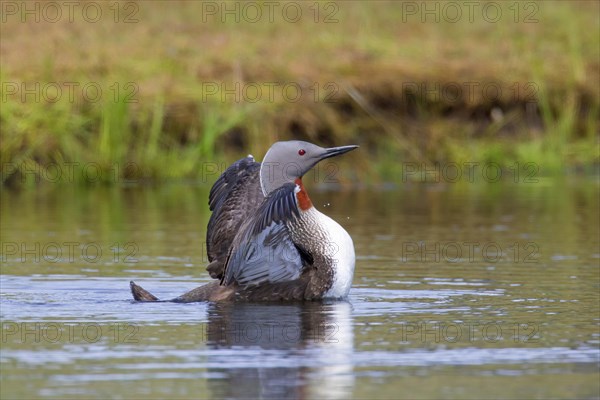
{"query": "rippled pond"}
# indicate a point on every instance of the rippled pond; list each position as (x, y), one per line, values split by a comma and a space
(460, 291)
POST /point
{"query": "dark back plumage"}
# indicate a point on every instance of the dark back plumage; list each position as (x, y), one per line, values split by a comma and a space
(234, 198)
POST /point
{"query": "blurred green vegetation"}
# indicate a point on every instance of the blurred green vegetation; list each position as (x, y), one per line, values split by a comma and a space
(153, 90)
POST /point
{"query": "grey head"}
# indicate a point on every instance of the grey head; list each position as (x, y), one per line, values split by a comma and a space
(287, 161)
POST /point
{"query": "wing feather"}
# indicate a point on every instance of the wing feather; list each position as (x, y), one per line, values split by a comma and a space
(263, 251)
(233, 198)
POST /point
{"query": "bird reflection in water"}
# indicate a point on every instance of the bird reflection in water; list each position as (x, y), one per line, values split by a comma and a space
(282, 351)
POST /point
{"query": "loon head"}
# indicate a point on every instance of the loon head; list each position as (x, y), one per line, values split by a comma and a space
(287, 161)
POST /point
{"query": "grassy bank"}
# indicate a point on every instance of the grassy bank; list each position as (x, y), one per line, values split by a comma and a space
(156, 90)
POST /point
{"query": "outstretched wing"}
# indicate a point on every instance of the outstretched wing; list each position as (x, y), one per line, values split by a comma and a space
(263, 251)
(234, 197)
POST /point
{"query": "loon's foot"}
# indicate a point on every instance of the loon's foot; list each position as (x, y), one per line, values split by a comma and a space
(141, 294)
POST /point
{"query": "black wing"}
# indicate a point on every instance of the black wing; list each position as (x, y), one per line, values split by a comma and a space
(263, 251)
(234, 197)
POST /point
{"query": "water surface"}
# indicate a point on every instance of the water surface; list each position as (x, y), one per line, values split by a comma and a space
(460, 291)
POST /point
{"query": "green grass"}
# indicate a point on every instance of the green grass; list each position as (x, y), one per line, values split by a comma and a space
(158, 118)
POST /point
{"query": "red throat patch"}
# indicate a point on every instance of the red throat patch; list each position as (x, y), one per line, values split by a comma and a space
(303, 200)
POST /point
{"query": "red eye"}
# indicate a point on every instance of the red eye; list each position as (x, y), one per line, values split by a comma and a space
(302, 152)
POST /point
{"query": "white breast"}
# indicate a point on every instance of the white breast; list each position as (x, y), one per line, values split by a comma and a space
(341, 250)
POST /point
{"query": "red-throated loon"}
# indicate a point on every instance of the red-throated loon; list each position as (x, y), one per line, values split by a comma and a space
(266, 241)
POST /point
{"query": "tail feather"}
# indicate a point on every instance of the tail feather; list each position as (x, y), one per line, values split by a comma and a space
(141, 294)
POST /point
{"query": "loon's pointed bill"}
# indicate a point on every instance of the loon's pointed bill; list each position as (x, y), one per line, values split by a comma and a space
(337, 151)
